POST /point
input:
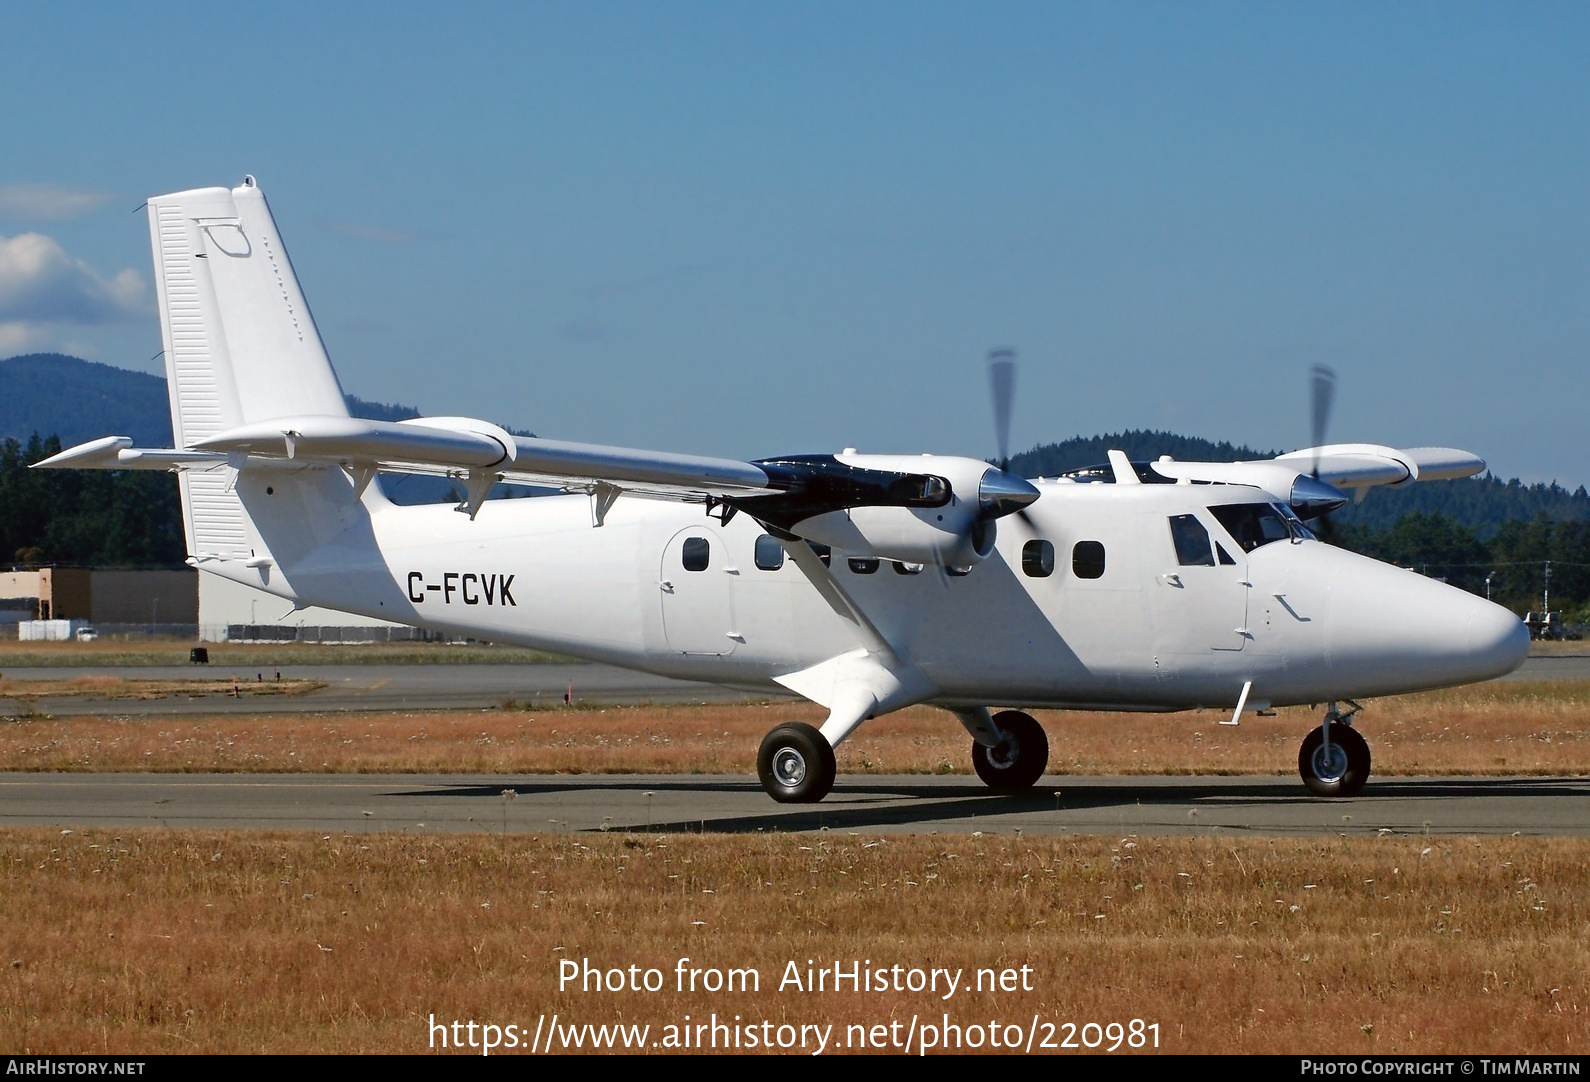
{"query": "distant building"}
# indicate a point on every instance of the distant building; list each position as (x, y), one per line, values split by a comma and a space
(232, 612)
(178, 603)
(143, 599)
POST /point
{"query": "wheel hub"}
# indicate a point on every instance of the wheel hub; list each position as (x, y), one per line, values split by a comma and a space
(789, 766)
(1330, 763)
(1004, 754)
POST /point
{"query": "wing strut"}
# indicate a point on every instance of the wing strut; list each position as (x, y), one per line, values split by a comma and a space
(870, 680)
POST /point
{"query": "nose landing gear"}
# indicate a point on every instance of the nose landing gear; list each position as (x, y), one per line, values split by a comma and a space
(1334, 759)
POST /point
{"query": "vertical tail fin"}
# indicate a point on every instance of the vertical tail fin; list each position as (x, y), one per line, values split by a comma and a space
(240, 343)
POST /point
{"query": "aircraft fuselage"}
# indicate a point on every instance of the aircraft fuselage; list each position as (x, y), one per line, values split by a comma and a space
(1113, 613)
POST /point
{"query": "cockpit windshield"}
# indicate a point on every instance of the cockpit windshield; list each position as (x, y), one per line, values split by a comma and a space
(1254, 525)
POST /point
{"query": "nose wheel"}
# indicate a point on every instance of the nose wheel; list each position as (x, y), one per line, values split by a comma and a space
(1020, 757)
(796, 764)
(1338, 767)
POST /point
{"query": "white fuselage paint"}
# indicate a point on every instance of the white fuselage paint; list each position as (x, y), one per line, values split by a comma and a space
(1303, 621)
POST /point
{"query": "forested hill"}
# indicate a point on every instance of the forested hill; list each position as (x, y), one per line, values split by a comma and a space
(1052, 459)
(1482, 504)
(77, 400)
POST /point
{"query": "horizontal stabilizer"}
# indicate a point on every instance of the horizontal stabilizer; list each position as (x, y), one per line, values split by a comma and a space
(118, 453)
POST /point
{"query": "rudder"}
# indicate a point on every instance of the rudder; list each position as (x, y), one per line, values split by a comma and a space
(240, 343)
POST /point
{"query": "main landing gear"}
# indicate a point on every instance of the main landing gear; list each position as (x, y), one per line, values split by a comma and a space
(796, 764)
(1334, 759)
(1021, 755)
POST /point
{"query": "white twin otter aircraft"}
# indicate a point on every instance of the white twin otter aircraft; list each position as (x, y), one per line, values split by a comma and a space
(866, 583)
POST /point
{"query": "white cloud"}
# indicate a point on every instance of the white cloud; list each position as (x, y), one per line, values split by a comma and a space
(21, 338)
(52, 202)
(41, 283)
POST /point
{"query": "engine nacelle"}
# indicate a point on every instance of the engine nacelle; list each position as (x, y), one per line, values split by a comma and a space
(948, 526)
(903, 533)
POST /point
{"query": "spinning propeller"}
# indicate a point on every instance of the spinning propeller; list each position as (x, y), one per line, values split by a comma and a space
(1314, 499)
(999, 494)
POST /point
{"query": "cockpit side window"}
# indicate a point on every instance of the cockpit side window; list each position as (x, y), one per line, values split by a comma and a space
(1252, 524)
(1192, 542)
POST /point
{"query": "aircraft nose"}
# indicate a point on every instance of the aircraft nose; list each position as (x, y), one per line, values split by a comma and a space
(1475, 639)
(1395, 631)
(1498, 641)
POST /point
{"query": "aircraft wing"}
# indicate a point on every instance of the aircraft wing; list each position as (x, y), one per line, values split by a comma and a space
(1364, 465)
(923, 508)
(457, 446)
(1310, 479)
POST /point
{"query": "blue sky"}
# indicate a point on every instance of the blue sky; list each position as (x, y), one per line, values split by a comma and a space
(756, 229)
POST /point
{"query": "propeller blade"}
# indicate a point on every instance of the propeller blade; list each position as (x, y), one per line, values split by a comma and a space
(1321, 499)
(1002, 382)
(1321, 393)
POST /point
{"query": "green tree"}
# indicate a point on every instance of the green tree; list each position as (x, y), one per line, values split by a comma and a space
(116, 518)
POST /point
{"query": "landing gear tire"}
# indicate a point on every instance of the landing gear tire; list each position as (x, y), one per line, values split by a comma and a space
(1018, 760)
(1343, 771)
(796, 764)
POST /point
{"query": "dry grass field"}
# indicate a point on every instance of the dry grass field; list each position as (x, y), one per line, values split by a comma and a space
(38, 695)
(1491, 729)
(171, 942)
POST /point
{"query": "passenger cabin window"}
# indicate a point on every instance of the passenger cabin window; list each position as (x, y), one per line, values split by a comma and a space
(1192, 542)
(769, 553)
(1037, 559)
(697, 551)
(902, 568)
(1252, 524)
(863, 565)
(824, 553)
(1087, 560)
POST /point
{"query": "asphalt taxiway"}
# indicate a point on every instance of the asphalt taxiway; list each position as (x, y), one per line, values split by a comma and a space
(719, 804)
